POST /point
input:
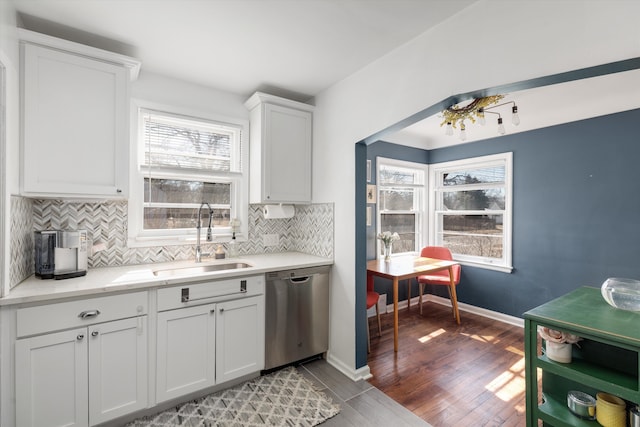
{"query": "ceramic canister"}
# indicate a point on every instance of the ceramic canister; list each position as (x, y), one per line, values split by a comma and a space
(560, 352)
(610, 410)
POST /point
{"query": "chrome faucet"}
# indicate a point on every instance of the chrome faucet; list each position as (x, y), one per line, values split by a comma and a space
(199, 253)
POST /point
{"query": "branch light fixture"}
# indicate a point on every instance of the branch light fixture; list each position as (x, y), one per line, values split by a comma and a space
(476, 111)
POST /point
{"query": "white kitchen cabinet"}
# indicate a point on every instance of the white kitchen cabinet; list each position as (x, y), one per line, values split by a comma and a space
(208, 333)
(239, 338)
(117, 368)
(209, 344)
(83, 376)
(185, 351)
(52, 380)
(75, 127)
(280, 150)
(72, 375)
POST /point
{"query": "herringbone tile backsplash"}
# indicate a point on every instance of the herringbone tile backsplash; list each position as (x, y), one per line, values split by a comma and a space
(309, 231)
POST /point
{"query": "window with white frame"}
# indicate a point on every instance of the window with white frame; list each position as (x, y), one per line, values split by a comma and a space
(472, 209)
(402, 200)
(182, 162)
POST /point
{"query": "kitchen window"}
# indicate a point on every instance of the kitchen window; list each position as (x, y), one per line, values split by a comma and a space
(472, 209)
(402, 200)
(181, 162)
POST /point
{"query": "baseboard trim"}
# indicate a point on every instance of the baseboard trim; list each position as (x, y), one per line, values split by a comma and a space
(495, 315)
(363, 373)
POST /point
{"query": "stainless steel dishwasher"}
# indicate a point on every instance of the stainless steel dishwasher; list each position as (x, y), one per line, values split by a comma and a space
(297, 315)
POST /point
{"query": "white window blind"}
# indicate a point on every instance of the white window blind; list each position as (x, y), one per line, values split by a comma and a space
(183, 143)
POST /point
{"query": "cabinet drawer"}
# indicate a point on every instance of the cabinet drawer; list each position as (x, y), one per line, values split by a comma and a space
(202, 293)
(73, 314)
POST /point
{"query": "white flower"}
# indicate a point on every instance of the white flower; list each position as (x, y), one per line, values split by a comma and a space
(387, 238)
(557, 336)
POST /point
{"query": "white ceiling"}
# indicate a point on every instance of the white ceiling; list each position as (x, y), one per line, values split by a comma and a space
(298, 48)
(539, 107)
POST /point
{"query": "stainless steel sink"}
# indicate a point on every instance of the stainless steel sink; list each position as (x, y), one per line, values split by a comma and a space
(199, 269)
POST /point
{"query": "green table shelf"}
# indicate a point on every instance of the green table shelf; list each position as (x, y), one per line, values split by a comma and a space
(605, 360)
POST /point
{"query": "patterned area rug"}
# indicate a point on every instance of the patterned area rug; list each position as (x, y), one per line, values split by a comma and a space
(282, 398)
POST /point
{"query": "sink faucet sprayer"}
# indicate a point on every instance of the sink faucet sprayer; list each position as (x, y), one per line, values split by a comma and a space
(199, 253)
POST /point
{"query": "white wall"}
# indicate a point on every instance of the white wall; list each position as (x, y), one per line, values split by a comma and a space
(178, 93)
(492, 42)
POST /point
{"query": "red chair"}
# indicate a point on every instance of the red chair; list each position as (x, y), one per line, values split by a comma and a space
(372, 299)
(441, 277)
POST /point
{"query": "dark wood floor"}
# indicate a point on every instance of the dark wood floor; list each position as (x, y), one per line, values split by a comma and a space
(470, 374)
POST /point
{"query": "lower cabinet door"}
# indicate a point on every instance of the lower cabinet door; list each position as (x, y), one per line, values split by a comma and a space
(185, 351)
(52, 380)
(117, 368)
(239, 338)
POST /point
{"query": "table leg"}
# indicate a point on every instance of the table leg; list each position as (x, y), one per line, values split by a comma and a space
(454, 296)
(530, 372)
(395, 314)
(408, 294)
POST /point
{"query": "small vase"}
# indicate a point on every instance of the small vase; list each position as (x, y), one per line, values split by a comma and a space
(559, 351)
(387, 252)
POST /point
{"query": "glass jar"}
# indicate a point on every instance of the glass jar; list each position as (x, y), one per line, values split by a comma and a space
(622, 293)
(387, 251)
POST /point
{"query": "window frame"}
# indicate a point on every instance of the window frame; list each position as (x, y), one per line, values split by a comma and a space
(422, 203)
(137, 236)
(435, 172)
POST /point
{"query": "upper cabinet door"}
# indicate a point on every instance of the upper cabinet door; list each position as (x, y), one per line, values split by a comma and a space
(75, 136)
(280, 150)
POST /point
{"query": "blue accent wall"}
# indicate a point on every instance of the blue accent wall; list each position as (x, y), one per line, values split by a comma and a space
(576, 209)
(361, 261)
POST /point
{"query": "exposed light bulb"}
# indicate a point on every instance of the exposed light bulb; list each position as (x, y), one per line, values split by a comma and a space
(463, 132)
(515, 118)
(501, 130)
(449, 129)
(481, 118)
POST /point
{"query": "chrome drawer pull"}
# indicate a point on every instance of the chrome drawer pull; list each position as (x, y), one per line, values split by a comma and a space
(94, 333)
(185, 298)
(80, 337)
(88, 314)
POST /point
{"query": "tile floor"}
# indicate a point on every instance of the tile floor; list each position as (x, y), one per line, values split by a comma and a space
(361, 403)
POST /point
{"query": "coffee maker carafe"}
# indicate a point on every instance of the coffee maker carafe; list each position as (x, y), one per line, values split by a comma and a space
(60, 254)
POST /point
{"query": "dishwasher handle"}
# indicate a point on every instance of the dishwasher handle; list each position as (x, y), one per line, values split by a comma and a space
(299, 280)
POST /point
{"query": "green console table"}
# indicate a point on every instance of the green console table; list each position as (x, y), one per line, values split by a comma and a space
(605, 360)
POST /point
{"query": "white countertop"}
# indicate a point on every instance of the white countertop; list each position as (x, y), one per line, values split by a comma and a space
(140, 277)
